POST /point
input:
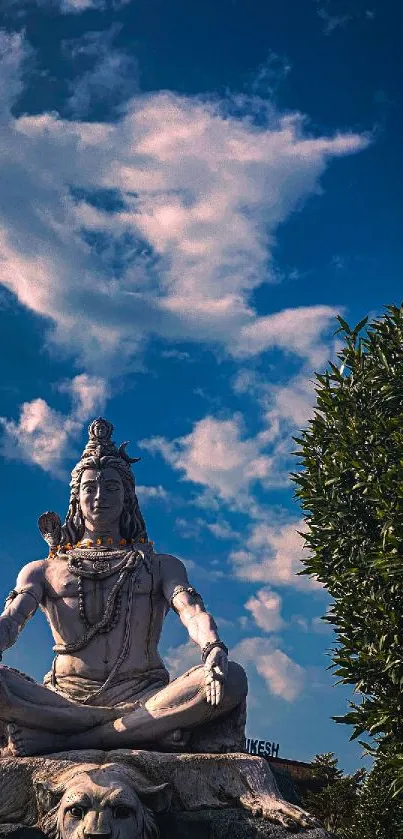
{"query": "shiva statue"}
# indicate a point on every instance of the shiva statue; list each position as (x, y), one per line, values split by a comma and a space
(105, 593)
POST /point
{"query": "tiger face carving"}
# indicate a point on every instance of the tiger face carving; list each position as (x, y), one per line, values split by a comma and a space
(101, 803)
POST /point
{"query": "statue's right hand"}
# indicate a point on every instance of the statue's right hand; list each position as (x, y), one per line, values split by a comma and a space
(215, 674)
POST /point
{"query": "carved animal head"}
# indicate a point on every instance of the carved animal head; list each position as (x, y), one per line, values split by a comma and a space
(100, 803)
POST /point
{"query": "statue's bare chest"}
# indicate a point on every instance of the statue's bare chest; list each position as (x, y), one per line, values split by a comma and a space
(63, 585)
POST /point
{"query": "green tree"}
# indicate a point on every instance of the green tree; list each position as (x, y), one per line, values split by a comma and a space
(376, 815)
(336, 800)
(351, 492)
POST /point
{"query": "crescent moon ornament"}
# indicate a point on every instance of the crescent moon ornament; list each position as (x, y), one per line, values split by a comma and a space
(124, 455)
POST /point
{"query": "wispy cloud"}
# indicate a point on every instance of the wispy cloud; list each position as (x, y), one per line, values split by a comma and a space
(45, 437)
(336, 14)
(273, 555)
(332, 21)
(283, 677)
(285, 407)
(218, 456)
(297, 331)
(199, 194)
(269, 75)
(215, 455)
(265, 607)
(77, 7)
(104, 75)
(182, 658)
(316, 625)
(179, 355)
(152, 493)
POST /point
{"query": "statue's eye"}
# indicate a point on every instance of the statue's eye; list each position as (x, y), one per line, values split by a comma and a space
(122, 812)
(77, 812)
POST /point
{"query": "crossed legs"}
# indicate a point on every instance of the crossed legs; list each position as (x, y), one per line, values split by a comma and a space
(181, 704)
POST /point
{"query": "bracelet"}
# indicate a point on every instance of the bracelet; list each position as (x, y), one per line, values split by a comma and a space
(207, 649)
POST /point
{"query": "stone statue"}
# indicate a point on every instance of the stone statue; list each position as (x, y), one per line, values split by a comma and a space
(105, 593)
(122, 793)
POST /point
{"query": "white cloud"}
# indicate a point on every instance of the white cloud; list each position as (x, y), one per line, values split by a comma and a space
(110, 75)
(200, 194)
(265, 607)
(273, 555)
(316, 625)
(87, 393)
(215, 456)
(179, 355)
(332, 21)
(45, 437)
(292, 405)
(152, 493)
(182, 658)
(78, 6)
(221, 530)
(286, 409)
(292, 330)
(202, 572)
(283, 676)
(270, 74)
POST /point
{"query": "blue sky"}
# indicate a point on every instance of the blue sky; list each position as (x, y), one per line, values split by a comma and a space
(189, 195)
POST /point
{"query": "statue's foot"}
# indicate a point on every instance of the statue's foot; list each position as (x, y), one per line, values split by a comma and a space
(175, 741)
(18, 741)
(281, 812)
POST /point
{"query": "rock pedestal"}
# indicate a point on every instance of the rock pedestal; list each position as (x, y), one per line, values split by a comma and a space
(200, 796)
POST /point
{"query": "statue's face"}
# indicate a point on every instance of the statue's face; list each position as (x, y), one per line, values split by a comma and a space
(101, 497)
(107, 808)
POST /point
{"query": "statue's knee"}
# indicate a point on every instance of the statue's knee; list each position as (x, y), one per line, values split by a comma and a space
(237, 681)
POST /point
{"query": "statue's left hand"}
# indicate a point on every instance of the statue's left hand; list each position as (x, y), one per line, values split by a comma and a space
(215, 674)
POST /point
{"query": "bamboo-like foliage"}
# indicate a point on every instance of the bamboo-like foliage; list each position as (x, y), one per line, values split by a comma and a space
(351, 491)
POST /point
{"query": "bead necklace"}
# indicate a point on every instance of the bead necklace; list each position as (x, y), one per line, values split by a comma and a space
(101, 567)
(99, 544)
(115, 614)
(133, 566)
(101, 570)
(104, 623)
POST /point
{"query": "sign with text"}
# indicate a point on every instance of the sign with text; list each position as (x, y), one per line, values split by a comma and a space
(262, 748)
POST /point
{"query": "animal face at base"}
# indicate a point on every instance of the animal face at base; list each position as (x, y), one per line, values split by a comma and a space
(103, 803)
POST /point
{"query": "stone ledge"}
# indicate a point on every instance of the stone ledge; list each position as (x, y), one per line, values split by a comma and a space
(210, 795)
(208, 824)
(226, 824)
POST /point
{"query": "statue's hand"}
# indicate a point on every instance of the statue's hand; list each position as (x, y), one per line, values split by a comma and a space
(215, 674)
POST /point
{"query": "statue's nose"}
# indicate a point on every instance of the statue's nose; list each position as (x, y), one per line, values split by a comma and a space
(97, 825)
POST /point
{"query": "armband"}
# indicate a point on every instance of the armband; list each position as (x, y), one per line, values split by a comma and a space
(189, 590)
(10, 597)
(14, 593)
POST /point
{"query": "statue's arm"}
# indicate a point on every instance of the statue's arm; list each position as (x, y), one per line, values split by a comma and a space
(202, 629)
(22, 602)
(187, 603)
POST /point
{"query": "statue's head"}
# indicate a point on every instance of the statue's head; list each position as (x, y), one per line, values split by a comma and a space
(106, 802)
(102, 488)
